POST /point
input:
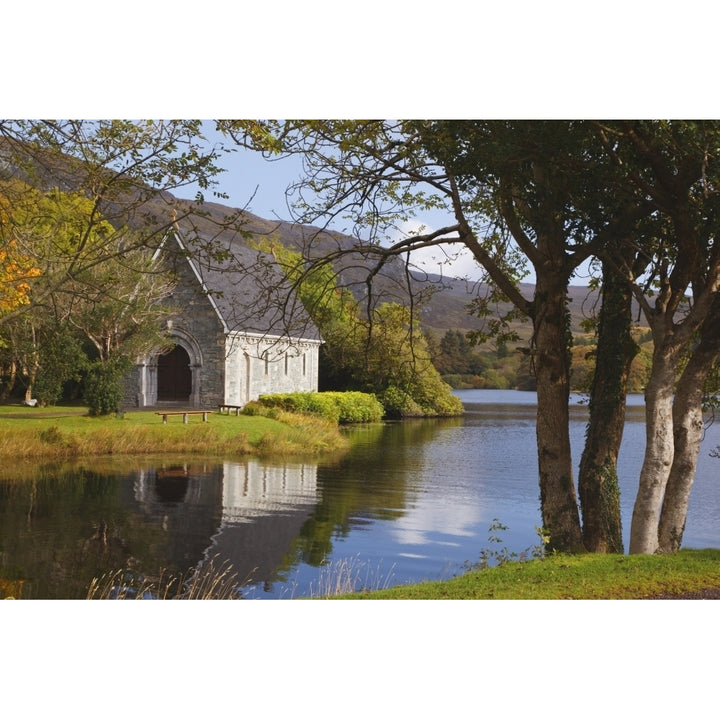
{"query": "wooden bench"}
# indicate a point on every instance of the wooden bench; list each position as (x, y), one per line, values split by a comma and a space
(236, 408)
(184, 413)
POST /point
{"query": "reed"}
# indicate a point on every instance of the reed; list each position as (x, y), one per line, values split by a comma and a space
(208, 582)
(349, 575)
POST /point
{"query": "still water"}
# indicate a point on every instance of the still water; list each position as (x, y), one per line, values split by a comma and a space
(412, 501)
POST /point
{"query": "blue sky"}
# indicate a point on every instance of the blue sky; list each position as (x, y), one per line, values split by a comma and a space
(260, 184)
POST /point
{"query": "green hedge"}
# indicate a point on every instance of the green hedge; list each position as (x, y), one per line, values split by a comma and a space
(338, 407)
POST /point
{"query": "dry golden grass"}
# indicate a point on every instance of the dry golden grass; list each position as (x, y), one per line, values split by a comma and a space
(210, 582)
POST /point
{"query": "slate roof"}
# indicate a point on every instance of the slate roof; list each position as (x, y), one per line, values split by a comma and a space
(247, 288)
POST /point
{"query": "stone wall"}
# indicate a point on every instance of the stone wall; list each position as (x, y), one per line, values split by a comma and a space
(263, 365)
(198, 329)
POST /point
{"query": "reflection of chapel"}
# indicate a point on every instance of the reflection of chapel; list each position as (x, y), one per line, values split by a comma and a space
(240, 331)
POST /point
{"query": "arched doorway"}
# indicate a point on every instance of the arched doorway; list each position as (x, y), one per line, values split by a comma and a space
(174, 377)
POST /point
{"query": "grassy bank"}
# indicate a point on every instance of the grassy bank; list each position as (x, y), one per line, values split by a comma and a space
(580, 577)
(559, 577)
(64, 433)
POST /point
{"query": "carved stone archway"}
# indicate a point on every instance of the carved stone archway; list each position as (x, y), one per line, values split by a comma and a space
(148, 391)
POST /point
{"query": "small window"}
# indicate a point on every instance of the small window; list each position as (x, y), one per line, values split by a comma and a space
(286, 363)
(267, 365)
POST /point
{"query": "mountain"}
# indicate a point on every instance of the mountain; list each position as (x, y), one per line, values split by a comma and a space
(443, 302)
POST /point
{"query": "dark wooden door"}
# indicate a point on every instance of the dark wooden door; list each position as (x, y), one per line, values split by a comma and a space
(174, 376)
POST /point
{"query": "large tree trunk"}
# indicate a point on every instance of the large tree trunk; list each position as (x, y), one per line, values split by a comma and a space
(658, 452)
(7, 387)
(688, 429)
(558, 500)
(598, 485)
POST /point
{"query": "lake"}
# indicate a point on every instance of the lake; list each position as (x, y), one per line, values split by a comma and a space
(411, 501)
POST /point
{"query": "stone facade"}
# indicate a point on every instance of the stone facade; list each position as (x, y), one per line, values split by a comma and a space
(259, 366)
(225, 366)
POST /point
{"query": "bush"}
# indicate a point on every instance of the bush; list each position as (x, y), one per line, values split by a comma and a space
(430, 398)
(103, 388)
(398, 404)
(337, 407)
(357, 407)
(303, 403)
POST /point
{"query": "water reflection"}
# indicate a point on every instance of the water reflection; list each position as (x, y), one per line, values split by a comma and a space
(264, 509)
(69, 524)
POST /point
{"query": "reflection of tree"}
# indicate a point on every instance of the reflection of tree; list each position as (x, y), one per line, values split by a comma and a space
(368, 482)
(69, 524)
(60, 503)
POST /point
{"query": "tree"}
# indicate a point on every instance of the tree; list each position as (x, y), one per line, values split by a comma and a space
(688, 430)
(16, 267)
(518, 196)
(675, 165)
(123, 169)
(117, 305)
(90, 200)
(16, 270)
(385, 354)
(113, 302)
(598, 484)
(456, 355)
(396, 364)
(61, 358)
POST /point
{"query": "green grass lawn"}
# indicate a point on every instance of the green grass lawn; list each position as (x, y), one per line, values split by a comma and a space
(572, 577)
(68, 431)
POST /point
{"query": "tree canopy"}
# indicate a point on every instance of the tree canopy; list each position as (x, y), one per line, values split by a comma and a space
(83, 207)
(385, 353)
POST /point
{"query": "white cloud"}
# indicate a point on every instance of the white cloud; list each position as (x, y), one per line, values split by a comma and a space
(452, 260)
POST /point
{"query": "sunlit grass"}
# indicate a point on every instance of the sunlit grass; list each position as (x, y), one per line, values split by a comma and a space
(559, 577)
(42, 433)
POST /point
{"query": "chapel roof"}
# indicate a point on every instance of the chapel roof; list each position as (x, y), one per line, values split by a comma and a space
(247, 287)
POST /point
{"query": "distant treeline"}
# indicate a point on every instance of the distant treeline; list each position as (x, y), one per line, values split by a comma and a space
(509, 366)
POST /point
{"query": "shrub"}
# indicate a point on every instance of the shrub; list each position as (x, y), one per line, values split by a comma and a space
(399, 404)
(304, 403)
(103, 388)
(337, 407)
(433, 398)
(357, 407)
